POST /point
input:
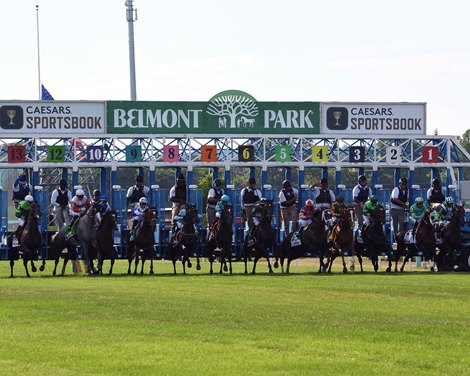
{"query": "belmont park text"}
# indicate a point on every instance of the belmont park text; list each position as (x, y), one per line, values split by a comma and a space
(191, 119)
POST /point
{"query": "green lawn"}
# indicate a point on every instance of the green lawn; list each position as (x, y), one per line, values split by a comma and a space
(362, 324)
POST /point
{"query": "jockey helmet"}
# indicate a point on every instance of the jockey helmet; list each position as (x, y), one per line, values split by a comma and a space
(340, 198)
(286, 184)
(29, 198)
(104, 198)
(374, 199)
(80, 192)
(419, 200)
(143, 200)
(96, 192)
(434, 216)
(217, 183)
(225, 198)
(449, 200)
(309, 202)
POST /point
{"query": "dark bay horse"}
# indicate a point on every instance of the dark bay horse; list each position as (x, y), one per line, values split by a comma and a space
(186, 240)
(343, 238)
(219, 244)
(315, 239)
(62, 247)
(265, 238)
(143, 246)
(105, 240)
(373, 240)
(451, 239)
(86, 235)
(30, 242)
(425, 242)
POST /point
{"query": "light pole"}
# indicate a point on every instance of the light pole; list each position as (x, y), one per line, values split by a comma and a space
(130, 19)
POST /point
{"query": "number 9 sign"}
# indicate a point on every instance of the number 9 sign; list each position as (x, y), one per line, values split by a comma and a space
(171, 153)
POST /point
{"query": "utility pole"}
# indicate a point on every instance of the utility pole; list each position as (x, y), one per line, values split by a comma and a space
(130, 12)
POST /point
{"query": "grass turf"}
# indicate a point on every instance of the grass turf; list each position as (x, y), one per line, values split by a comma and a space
(363, 324)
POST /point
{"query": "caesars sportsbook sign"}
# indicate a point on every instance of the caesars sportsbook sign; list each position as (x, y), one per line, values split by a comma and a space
(52, 118)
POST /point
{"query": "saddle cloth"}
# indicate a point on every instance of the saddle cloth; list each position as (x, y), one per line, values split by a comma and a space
(296, 239)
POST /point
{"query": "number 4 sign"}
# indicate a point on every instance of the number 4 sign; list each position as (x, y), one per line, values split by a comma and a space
(430, 154)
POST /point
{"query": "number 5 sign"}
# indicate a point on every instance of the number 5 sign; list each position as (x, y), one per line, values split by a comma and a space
(171, 153)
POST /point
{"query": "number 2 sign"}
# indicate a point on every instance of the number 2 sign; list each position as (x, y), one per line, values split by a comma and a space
(171, 153)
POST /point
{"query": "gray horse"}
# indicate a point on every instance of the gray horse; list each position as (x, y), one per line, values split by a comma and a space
(86, 235)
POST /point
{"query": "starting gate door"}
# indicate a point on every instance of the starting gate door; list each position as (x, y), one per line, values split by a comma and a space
(3, 222)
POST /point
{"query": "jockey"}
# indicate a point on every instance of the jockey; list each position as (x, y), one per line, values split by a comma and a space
(96, 198)
(104, 206)
(21, 189)
(224, 201)
(78, 205)
(306, 214)
(369, 207)
(447, 208)
(417, 211)
(338, 206)
(22, 213)
(138, 213)
(256, 214)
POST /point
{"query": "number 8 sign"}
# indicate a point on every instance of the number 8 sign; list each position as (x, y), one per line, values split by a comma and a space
(171, 153)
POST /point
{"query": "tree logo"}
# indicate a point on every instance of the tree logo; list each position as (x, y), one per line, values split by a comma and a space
(234, 109)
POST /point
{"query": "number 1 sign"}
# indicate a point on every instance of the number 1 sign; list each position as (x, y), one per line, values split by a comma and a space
(430, 154)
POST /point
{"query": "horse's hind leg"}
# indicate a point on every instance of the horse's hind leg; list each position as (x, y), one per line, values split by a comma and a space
(12, 263)
(136, 263)
(64, 265)
(359, 258)
(56, 262)
(129, 260)
(269, 265)
(33, 267)
(174, 265)
(151, 267)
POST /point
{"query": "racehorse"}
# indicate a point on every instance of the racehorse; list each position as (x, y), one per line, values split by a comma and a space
(144, 245)
(60, 246)
(30, 242)
(373, 240)
(342, 237)
(451, 239)
(105, 241)
(220, 241)
(425, 242)
(86, 235)
(265, 238)
(314, 239)
(186, 240)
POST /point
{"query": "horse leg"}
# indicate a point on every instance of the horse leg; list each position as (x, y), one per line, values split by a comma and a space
(25, 263)
(359, 258)
(404, 262)
(222, 261)
(112, 265)
(142, 268)
(269, 265)
(56, 262)
(255, 261)
(211, 261)
(288, 266)
(129, 260)
(230, 263)
(11, 268)
(151, 266)
(64, 265)
(33, 267)
(43, 263)
(136, 262)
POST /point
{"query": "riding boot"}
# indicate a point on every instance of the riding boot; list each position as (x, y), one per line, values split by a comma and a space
(18, 233)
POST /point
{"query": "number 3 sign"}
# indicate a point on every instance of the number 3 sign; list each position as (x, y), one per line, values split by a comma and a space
(171, 153)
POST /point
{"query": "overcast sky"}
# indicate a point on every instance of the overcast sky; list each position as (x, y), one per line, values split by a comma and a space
(297, 50)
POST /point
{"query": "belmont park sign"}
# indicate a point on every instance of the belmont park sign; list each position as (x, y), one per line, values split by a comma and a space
(229, 112)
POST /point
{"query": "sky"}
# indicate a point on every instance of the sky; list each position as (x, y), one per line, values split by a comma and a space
(297, 50)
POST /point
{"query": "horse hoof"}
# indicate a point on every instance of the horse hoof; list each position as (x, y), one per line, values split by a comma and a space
(276, 265)
(198, 267)
(151, 272)
(190, 265)
(271, 271)
(212, 272)
(345, 270)
(225, 268)
(33, 269)
(41, 268)
(388, 270)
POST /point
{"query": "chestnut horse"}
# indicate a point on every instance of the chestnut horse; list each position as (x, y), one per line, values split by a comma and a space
(30, 242)
(342, 238)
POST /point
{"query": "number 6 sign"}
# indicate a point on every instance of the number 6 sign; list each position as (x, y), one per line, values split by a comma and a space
(171, 153)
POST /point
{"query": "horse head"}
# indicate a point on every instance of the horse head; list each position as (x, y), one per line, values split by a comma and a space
(268, 210)
(191, 216)
(379, 215)
(458, 214)
(34, 211)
